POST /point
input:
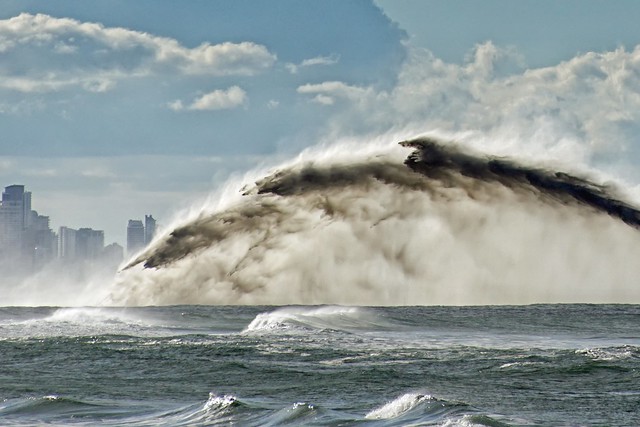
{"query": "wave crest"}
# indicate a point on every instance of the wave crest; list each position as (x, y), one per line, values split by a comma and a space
(305, 318)
(447, 227)
(398, 406)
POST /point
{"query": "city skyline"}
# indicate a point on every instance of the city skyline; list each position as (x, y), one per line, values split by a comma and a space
(62, 224)
(28, 242)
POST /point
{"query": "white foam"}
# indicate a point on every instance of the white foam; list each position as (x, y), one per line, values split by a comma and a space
(95, 316)
(219, 403)
(607, 354)
(397, 407)
(373, 243)
(517, 364)
(290, 317)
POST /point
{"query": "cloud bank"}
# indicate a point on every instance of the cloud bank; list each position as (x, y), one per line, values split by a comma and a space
(583, 110)
(42, 53)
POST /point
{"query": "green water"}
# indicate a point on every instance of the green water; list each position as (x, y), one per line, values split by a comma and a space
(197, 365)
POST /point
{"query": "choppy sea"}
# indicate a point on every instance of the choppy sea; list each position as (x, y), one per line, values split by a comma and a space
(547, 365)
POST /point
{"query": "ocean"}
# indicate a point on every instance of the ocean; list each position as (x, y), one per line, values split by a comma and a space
(190, 365)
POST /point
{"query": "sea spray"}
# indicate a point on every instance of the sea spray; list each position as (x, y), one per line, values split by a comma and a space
(446, 227)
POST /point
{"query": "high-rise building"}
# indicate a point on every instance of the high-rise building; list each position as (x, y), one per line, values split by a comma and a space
(13, 215)
(149, 228)
(138, 234)
(40, 240)
(26, 241)
(135, 236)
(67, 243)
(89, 243)
(81, 244)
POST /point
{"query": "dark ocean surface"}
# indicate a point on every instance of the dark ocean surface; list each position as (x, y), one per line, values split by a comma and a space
(548, 365)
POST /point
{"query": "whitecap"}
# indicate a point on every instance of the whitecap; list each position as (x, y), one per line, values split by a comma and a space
(296, 318)
(608, 354)
(399, 406)
(220, 403)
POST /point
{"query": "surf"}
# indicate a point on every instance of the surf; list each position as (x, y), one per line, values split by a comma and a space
(444, 225)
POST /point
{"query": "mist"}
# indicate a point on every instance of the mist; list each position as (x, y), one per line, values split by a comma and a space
(426, 223)
(60, 284)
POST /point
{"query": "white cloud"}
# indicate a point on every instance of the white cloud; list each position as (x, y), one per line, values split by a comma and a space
(327, 92)
(292, 68)
(580, 110)
(217, 100)
(323, 99)
(42, 53)
(320, 60)
(176, 105)
(311, 62)
(224, 59)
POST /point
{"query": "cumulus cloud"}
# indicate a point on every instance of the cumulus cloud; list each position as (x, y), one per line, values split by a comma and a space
(41, 53)
(217, 100)
(585, 108)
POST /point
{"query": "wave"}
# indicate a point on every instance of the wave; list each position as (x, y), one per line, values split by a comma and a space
(303, 319)
(408, 409)
(399, 406)
(56, 410)
(610, 354)
(227, 409)
(88, 315)
(424, 409)
(446, 226)
(50, 405)
(84, 322)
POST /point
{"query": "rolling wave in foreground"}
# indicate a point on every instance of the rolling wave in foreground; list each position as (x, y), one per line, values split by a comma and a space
(443, 226)
(542, 365)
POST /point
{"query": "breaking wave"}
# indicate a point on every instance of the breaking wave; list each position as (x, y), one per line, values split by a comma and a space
(318, 318)
(228, 409)
(446, 226)
(399, 406)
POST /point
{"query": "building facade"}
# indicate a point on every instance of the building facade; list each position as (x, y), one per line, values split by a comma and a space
(140, 234)
(26, 241)
(135, 236)
(149, 228)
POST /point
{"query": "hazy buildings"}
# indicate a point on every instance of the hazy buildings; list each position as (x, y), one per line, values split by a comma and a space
(27, 242)
(81, 244)
(135, 236)
(67, 243)
(13, 218)
(113, 253)
(149, 228)
(138, 234)
(89, 243)
(41, 241)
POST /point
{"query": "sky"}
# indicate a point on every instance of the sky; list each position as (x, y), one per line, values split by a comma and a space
(110, 110)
